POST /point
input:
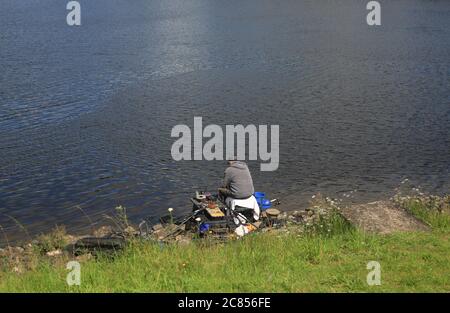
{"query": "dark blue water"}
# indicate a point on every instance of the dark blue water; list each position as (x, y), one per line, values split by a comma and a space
(86, 112)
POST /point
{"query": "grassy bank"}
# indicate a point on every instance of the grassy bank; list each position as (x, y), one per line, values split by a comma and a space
(328, 258)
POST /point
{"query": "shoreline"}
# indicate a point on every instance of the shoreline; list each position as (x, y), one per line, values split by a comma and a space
(289, 203)
(324, 244)
(119, 227)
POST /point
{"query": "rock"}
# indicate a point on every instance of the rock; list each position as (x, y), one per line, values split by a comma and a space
(28, 247)
(103, 231)
(18, 249)
(158, 233)
(130, 231)
(183, 240)
(72, 239)
(273, 212)
(170, 231)
(299, 214)
(54, 253)
(157, 227)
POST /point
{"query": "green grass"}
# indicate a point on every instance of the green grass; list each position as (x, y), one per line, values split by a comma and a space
(318, 261)
(432, 210)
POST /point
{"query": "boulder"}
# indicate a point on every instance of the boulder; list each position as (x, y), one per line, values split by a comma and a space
(103, 231)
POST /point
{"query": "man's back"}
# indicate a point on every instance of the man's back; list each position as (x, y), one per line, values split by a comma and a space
(238, 180)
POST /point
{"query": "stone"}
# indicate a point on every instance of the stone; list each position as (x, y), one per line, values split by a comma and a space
(103, 231)
(299, 214)
(168, 231)
(273, 212)
(183, 240)
(54, 253)
(19, 249)
(72, 239)
(158, 233)
(130, 231)
(157, 227)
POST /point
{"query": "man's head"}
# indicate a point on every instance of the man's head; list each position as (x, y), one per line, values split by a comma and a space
(231, 160)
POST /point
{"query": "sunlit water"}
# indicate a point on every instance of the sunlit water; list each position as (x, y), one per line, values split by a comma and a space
(86, 112)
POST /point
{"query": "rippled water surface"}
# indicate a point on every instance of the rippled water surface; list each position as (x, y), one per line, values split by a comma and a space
(86, 112)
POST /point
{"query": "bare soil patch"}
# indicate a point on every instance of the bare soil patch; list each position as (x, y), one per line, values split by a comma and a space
(382, 217)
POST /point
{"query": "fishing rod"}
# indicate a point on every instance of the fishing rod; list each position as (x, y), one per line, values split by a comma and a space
(187, 219)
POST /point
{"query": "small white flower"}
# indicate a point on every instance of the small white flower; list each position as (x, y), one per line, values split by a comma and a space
(170, 209)
(198, 219)
(313, 196)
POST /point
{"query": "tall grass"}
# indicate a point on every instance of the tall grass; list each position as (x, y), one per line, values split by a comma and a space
(258, 263)
(433, 210)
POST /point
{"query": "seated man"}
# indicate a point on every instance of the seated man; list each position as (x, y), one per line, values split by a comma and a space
(238, 190)
(237, 182)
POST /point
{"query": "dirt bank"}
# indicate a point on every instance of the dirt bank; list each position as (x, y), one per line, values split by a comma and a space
(382, 217)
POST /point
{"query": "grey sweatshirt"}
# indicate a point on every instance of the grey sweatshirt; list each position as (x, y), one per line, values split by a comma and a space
(238, 180)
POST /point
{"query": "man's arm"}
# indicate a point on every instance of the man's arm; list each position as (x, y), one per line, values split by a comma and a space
(226, 179)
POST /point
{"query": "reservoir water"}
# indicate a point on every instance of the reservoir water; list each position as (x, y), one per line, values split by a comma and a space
(86, 112)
